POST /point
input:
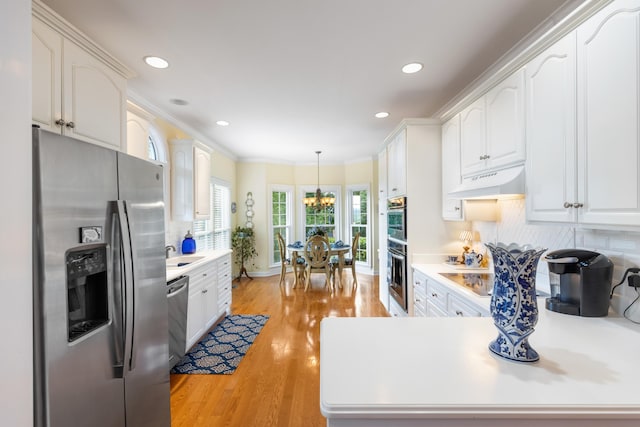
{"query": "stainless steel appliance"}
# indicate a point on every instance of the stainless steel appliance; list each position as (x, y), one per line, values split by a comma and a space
(177, 301)
(397, 218)
(397, 272)
(580, 282)
(100, 305)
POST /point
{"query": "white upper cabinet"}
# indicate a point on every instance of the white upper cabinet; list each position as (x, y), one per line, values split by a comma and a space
(75, 92)
(397, 165)
(190, 176)
(551, 135)
(492, 128)
(451, 208)
(608, 77)
(505, 122)
(473, 138)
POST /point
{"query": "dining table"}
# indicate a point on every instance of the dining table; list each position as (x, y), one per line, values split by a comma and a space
(336, 249)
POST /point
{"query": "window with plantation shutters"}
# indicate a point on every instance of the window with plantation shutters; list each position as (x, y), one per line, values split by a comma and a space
(215, 233)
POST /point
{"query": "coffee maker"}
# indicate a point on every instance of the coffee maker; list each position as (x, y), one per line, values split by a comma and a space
(580, 282)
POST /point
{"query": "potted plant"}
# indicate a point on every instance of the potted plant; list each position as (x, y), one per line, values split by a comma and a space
(243, 243)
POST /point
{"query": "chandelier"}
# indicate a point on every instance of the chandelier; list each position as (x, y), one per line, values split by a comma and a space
(320, 200)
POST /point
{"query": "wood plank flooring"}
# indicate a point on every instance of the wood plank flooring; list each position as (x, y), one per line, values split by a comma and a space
(278, 381)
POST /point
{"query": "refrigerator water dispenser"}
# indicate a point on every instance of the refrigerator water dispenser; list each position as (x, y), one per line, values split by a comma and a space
(87, 290)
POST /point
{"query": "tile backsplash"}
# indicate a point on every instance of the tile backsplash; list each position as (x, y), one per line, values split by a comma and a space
(622, 247)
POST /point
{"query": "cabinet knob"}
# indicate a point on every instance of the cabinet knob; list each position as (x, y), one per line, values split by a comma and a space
(204, 274)
(204, 291)
(418, 300)
(567, 205)
(577, 205)
(70, 125)
(434, 295)
(457, 208)
(459, 313)
(394, 189)
(60, 122)
(487, 156)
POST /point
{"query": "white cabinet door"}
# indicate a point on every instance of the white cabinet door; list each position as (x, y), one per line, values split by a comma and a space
(74, 93)
(472, 138)
(94, 99)
(608, 61)
(202, 176)
(46, 78)
(195, 310)
(551, 136)
(383, 288)
(505, 122)
(459, 308)
(190, 176)
(451, 208)
(397, 165)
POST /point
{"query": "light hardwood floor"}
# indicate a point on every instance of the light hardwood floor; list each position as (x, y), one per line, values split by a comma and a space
(278, 381)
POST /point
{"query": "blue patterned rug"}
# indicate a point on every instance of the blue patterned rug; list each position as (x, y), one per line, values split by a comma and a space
(222, 349)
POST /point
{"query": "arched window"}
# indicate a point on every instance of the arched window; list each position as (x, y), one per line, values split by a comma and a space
(152, 149)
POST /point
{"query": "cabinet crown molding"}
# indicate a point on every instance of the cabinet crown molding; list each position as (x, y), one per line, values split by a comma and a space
(47, 15)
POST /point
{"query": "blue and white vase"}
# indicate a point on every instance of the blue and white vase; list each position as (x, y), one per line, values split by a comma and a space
(514, 306)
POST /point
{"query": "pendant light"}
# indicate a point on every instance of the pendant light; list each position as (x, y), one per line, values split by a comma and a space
(321, 200)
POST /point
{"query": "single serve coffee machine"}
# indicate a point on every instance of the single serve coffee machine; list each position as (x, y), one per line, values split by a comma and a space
(580, 282)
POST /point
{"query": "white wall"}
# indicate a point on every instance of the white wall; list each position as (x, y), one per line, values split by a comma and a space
(16, 392)
(622, 247)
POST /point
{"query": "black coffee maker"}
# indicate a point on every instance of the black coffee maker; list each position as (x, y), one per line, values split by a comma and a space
(580, 282)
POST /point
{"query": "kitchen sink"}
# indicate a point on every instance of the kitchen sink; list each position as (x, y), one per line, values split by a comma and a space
(183, 260)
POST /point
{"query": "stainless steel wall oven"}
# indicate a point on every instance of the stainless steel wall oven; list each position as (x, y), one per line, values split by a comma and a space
(397, 271)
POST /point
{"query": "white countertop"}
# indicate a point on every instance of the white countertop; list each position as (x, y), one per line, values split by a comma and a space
(441, 368)
(209, 256)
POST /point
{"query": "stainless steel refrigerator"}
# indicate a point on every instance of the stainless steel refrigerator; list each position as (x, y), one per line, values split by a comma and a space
(100, 306)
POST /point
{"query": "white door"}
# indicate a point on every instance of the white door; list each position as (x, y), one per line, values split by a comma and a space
(472, 138)
(551, 136)
(451, 208)
(505, 122)
(608, 61)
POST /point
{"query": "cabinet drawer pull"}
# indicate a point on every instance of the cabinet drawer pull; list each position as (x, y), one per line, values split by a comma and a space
(577, 205)
(204, 291)
(567, 205)
(459, 313)
(434, 295)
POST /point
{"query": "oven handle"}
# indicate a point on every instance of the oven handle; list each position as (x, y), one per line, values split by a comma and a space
(398, 241)
(397, 255)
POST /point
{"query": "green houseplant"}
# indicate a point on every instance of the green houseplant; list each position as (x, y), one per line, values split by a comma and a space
(243, 243)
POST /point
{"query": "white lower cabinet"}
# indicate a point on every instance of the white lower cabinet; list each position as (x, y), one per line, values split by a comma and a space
(224, 285)
(203, 305)
(419, 294)
(443, 301)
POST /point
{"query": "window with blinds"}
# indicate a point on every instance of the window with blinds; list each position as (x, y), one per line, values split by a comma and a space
(215, 233)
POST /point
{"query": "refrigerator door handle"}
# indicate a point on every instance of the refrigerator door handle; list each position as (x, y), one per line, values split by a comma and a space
(129, 298)
(116, 280)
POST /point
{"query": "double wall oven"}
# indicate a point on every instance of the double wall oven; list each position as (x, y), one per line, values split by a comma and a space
(397, 250)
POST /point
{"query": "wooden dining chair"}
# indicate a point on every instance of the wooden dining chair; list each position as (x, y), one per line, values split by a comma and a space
(347, 262)
(297, 265)
(316, 254)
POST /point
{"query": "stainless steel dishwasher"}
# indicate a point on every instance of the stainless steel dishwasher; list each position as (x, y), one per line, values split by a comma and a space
(177, 300)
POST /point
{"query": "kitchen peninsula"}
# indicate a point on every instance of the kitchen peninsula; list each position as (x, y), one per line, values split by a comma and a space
(408, 372)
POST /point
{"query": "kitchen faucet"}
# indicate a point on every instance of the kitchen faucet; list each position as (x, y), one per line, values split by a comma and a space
(169, 248)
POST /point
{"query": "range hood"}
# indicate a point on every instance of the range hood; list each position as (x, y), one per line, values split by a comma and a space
(492, 185)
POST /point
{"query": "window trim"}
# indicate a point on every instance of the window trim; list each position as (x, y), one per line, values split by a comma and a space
(289, 189)
(350, 189)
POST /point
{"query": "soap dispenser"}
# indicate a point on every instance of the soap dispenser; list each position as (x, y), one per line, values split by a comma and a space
(188, 244)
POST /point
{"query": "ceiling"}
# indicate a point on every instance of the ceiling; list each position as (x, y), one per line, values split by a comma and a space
(296, 76)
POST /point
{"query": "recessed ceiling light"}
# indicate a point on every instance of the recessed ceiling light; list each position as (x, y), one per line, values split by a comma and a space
(412, 67)
(156, 62)
(222, 123)
(382, 115)
(177, 101)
